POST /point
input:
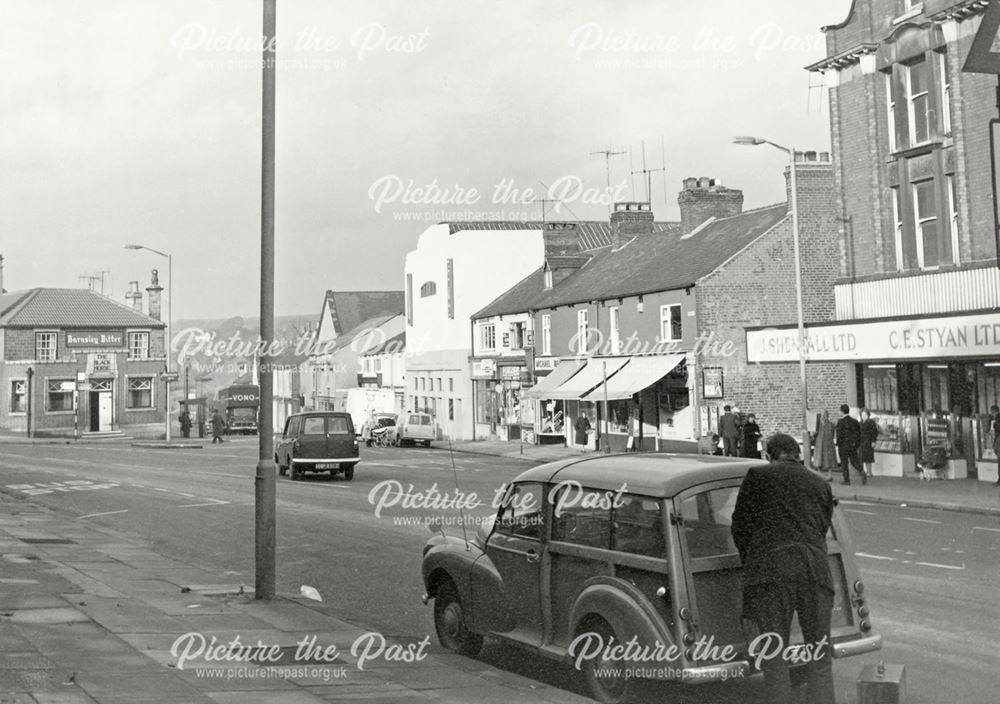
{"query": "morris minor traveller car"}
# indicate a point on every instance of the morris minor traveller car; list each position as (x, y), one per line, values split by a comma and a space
(319, 441)
(589, 560)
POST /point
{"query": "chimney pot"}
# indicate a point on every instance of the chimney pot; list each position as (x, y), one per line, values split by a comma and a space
(703, 198)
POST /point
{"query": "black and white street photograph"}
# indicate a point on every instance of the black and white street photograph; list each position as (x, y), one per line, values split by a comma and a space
(468, 352)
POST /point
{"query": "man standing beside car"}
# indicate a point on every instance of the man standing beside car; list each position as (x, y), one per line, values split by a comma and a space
(782, 516)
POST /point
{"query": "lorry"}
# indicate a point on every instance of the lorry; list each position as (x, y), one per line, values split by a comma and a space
(363, 404)
(240, 404)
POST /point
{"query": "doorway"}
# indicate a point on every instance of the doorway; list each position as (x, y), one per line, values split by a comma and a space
(101, 411)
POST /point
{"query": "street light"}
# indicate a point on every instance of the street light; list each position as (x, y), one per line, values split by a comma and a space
(170, 325)
(794, 205)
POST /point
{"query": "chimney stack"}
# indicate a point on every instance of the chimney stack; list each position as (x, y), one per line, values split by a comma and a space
(154, 290)
(562, 249)
(702, 198)
(134, 296)
(629, 219)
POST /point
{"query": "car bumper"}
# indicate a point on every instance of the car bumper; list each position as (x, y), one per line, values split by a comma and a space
(302, 460)
(857, 646)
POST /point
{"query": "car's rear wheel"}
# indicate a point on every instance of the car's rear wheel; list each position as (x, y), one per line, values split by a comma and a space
(294, 473)
(449, 622)
(604, 686)
(427, 444)
(281, 468)
(348, 472)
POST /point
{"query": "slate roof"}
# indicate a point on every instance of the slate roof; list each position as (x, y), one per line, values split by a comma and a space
(396, 343)
(68, 308)
(350, 308)
(593, 233)
(660, 261)
(346, 339)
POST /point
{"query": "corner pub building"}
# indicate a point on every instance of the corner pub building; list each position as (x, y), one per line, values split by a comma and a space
(918, 293)
(74, 361)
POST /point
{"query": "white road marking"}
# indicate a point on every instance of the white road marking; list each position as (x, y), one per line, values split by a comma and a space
(921, 520)
(944, 567)
(992, 530)
(106, 513)
(18, 581)
(212, 502)
(854, 510)
(874, 557)
(190, 496)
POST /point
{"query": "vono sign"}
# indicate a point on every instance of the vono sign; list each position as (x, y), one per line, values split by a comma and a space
(244, 397)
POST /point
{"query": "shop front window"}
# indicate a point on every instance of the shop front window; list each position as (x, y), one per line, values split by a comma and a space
(553, 418)
(881, 387)
(487, 406)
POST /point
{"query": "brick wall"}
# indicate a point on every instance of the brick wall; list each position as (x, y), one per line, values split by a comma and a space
(757, 288)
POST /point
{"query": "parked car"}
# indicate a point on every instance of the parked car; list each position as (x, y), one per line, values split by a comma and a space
(416, 427)
(319, 441)
(625, 547)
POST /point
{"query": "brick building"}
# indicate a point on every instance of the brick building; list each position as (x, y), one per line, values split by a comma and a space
(918, 285)
(73, 361)
(662, 313)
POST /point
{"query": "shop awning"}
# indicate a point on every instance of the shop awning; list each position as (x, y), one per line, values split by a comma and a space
(638, 374)
(563, 371)
(588, 377)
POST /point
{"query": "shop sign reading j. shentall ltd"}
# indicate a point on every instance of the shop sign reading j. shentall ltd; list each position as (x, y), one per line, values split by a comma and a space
(924, 338)
(95, 338)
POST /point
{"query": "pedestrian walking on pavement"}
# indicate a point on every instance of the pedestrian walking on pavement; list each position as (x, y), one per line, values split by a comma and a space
(751, 436)
(581, 428)
(729, 431)
(185, 421)
(780, 522)
(218, 425)
(848, 440)
(995, 429)
(869, 434)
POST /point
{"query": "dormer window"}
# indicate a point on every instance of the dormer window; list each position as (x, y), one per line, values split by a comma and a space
(547, 277)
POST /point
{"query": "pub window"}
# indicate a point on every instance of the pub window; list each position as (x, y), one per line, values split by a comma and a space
(670, 322)
(488, 336)
(138, 345)
(140, 392)
(59, 395)
(18, 399)
(45, 346)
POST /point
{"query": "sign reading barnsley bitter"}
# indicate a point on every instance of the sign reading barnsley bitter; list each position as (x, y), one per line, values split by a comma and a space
(95, 338)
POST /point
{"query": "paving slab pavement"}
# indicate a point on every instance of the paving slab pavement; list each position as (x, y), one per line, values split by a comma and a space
(91, 616)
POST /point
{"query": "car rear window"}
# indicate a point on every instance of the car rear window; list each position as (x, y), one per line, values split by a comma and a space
(425, 420)
(313, 425)
(414, 420)
(337, 424)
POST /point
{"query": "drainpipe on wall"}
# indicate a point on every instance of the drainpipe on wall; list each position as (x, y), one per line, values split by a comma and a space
(30, 374)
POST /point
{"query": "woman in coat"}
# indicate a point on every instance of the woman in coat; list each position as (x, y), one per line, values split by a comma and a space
(825, 457)
(869, 433)
(751, 434)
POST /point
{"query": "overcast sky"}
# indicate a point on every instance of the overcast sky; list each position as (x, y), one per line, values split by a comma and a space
(139, 121)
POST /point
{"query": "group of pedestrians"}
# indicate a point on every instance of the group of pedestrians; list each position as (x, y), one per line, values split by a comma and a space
(740, 434)
(849, 443)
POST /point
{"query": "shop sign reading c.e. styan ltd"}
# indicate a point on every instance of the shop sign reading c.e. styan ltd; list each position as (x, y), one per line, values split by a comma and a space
(924, 338)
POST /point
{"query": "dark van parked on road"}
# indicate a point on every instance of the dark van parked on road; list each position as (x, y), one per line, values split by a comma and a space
(320, 441)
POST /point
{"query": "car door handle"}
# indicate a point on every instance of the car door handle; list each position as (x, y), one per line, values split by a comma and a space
(532, 556)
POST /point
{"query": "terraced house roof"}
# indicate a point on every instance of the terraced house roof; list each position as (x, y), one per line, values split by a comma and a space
(593, 234)
(659, 261)
(68, 308)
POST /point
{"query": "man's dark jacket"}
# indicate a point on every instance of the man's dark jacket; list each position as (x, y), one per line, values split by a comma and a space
(782, 515)
(727, 426)
(848, 432)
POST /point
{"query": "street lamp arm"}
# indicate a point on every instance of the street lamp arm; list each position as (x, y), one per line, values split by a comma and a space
(757, 141)
(142, 246)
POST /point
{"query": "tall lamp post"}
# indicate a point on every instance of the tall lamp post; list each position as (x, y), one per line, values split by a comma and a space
(794, 205)
(170, 325)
